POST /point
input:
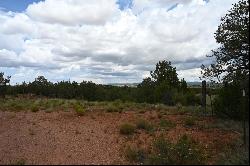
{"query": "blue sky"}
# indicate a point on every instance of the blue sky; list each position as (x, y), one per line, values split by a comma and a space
(110, 44)
(21, 5)
(16, 5)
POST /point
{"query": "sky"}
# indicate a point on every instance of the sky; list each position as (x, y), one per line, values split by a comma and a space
(106, 41)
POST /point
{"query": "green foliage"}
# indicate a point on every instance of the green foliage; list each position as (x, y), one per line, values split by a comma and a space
(135, 155)
(164, 93)
(184, 152)
(234, 154)
(230, 104)
(79, 109)
(145, 125)
(146, 91)
(163, 153)
(232, 62)
(190, 121)
(163, 85)
(164, 72)
(112, 108)
(232, 57)
(116, 106)
(34, 108)
(3, 84)
(187, 152)
(188, 98)
(161, 88)
(127, 129)
(166, 124)
(19, 162)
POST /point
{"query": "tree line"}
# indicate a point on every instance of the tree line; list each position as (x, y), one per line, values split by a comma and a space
(162, 87)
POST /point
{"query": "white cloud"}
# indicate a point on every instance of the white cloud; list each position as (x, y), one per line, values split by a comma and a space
(73, 12)
(18, 24)
(94, 40)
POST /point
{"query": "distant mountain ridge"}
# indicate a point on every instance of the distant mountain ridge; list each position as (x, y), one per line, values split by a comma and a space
(189, 84)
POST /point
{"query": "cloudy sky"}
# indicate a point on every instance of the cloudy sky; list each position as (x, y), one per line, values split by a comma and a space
(106, 41)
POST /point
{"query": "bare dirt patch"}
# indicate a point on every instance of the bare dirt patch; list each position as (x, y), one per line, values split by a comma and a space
(59, 138)
(65, 138)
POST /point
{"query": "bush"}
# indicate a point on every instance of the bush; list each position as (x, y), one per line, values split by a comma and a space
(78, 107)
(166, 124)
(190, 121)
(18, 106)
(34, 108)
(162, 155)
(127, 129)
(188, 152)
(230, 104)
(19, 162)
(192, 99)
(187, 99)
(135, 155)
(184, 152)
(143, 124)
(112, 108)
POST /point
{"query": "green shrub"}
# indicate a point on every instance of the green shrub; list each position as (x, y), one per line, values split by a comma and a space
(79, 109)
(145, 125)
(184, 152)
(127, 129)
(187, 99)
(229, 103)
(112, 108)
(19, 162)
(190, 121)
(188, 152)
(135, 155)
(162, 146)
(34, 108)
(162, 153)
(234, 154)
(49, 110)
(166, 124)
(18, 107)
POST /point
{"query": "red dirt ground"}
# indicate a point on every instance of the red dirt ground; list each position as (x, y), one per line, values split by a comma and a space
(65, 138)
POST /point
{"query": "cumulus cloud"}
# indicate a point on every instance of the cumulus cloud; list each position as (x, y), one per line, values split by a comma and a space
(95, 40)
(73, 12)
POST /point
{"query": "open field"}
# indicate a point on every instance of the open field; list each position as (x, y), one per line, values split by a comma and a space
(57, 131)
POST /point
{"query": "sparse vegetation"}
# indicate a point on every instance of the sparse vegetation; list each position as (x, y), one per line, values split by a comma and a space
(34, 108)
(184, 152)
(166, 124)
(79, 109)
(135, 154)
(127, 129)
(190, 121)
(19, 162)
(234, 154)
(145, 125)
(150, 149)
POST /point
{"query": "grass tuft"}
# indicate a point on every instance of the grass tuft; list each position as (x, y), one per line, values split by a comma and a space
(127, 129)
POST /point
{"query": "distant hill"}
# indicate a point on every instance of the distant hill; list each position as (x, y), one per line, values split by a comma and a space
(194, 84)
(189, 84)
(124, 84)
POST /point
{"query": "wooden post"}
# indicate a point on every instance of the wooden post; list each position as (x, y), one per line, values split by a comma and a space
(204, 91)
(244, 118)
(211, 104)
